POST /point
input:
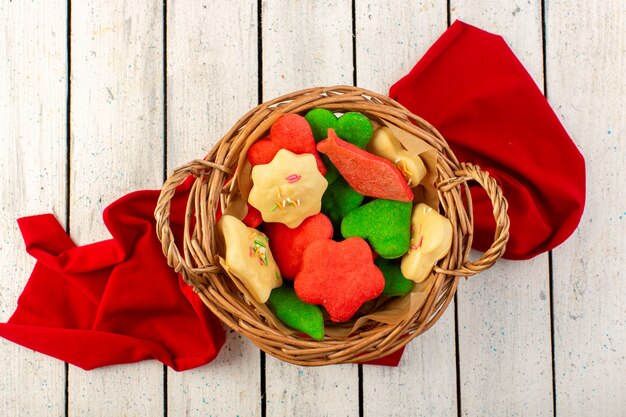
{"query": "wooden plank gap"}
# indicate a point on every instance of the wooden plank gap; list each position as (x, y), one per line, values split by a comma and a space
(68, 166)
(354, 73)
(165, 110)
(544, 64)
(259, 17)
(259, 12)
(360, 374)
(263, 385)
(456, 344)
(551, 299)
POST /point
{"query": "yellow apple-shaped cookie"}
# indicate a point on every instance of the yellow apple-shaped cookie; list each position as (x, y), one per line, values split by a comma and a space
(431, 238)
(287, 190)
(385, 145)
(249, 258)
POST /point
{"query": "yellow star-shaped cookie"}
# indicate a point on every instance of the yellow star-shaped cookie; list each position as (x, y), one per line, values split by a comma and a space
(431, 238)
(287, 190)
(249, 258)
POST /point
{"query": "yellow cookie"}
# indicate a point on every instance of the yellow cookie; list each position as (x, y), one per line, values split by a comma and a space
(385, 145)
(287, 190)
(431, 238)
(248, 256)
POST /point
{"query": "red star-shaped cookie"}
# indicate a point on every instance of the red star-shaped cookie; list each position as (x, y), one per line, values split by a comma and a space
(288, 245)
(341, 276)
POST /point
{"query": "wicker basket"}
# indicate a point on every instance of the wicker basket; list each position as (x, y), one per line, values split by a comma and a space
(200, 269)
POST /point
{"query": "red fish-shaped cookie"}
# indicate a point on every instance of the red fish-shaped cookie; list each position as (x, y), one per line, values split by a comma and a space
(367, 173)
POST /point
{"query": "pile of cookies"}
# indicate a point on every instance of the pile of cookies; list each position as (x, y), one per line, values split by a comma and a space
(332, 220)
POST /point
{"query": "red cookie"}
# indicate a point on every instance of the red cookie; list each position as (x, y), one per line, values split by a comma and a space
(341, 276)
(288, 245)
(366, 173)
(291, 132)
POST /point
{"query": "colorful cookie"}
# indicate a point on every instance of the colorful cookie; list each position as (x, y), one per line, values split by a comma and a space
(289, 244)
(320, 121)
(384, 223)
(368, 174)
(332, 173)
(431, 238)
(339, 200)
(295, 313)
(248, 256)
(292, 132)
(395, 283)
(385, 145)
(355, 128)
(341, 276)
(288, 189)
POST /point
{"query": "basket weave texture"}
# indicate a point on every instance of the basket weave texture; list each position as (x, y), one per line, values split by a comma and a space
(198, 263)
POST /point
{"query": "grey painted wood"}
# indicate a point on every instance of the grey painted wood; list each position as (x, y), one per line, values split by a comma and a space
(586, 61)
(504, 313)
(307, 44)
(390, 38)
(33, 91)
(211, 82)
(116, 147)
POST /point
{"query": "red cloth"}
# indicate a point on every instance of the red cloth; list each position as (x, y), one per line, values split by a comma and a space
(115, 301)
(472, 88)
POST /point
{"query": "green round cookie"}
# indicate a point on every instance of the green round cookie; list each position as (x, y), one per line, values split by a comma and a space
(295, 313)
(386, 224)
(340, 199)
(395, 282)
(320, 121)
(355, 128)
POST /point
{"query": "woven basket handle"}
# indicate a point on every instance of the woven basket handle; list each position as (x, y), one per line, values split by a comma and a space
(196, 168)
(470, 172)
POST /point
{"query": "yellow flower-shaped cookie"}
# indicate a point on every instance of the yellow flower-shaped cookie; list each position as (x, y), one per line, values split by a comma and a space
(385, 145)
(287, 190)
(431, 238)
(248, 256)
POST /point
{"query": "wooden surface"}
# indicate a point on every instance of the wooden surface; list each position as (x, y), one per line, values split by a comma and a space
(121, 93)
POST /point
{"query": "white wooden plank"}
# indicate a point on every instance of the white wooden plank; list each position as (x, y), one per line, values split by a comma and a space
(504, 313)
(212, 81)
(307, 44)
(116, 147)
(33, 90)
(391, 36)
(585, 72)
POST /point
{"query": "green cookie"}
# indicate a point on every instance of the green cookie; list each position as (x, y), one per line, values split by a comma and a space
(395, 282)
(352, 127)
(386, 224)
(355, 128)
(339, 200)
(320, 121)
(295, 313)
(332, 173)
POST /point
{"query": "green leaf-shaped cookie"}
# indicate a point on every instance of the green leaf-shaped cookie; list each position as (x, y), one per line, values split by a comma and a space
(352, 127)
(395, 282)
(295, 313)
(320, 121)
(355, 128)
(386, 224)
